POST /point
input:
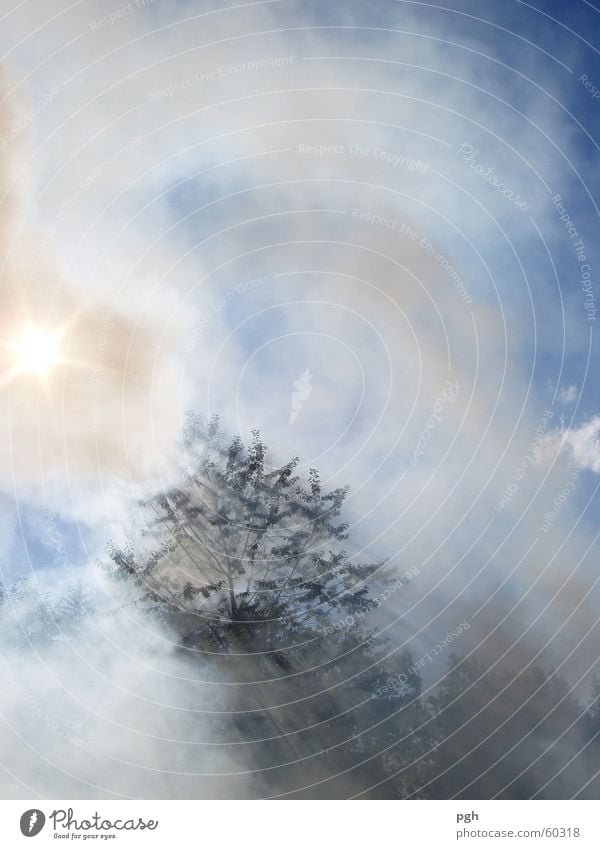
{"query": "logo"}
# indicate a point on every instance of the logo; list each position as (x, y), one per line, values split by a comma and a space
(302, 389)
(32, 822)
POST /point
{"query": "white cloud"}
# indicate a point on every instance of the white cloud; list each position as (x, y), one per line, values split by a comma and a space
(567, 394)
(581, 445)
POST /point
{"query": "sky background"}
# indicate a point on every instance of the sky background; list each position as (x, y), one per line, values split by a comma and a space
(286, 215)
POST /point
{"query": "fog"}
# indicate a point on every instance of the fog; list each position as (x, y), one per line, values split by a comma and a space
(332, 225)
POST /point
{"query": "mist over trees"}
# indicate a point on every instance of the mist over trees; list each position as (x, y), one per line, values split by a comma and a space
(248, 568)
(237, 544)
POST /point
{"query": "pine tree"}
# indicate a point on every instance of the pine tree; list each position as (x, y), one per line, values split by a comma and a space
(237, 544)
(248, 564)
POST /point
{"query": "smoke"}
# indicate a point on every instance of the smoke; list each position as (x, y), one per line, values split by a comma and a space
(87, 418)
(105, 705)
(210, 203)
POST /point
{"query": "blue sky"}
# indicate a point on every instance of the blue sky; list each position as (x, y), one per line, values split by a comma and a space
(502, 87)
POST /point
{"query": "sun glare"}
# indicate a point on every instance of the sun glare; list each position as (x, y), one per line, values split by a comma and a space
(36, 351)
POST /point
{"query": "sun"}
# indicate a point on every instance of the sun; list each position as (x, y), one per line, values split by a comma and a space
(36, 350)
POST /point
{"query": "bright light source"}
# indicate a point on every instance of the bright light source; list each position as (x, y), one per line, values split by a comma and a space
(36, 350)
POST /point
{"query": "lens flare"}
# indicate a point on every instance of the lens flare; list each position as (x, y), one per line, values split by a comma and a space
(36, 351)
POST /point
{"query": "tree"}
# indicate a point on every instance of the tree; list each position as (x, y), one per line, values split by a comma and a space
(249, 562)
(589, 761)
(504, 734)
(236, 543)
(74, 608)
(593, 709)
(28, 615)
(33, 615)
